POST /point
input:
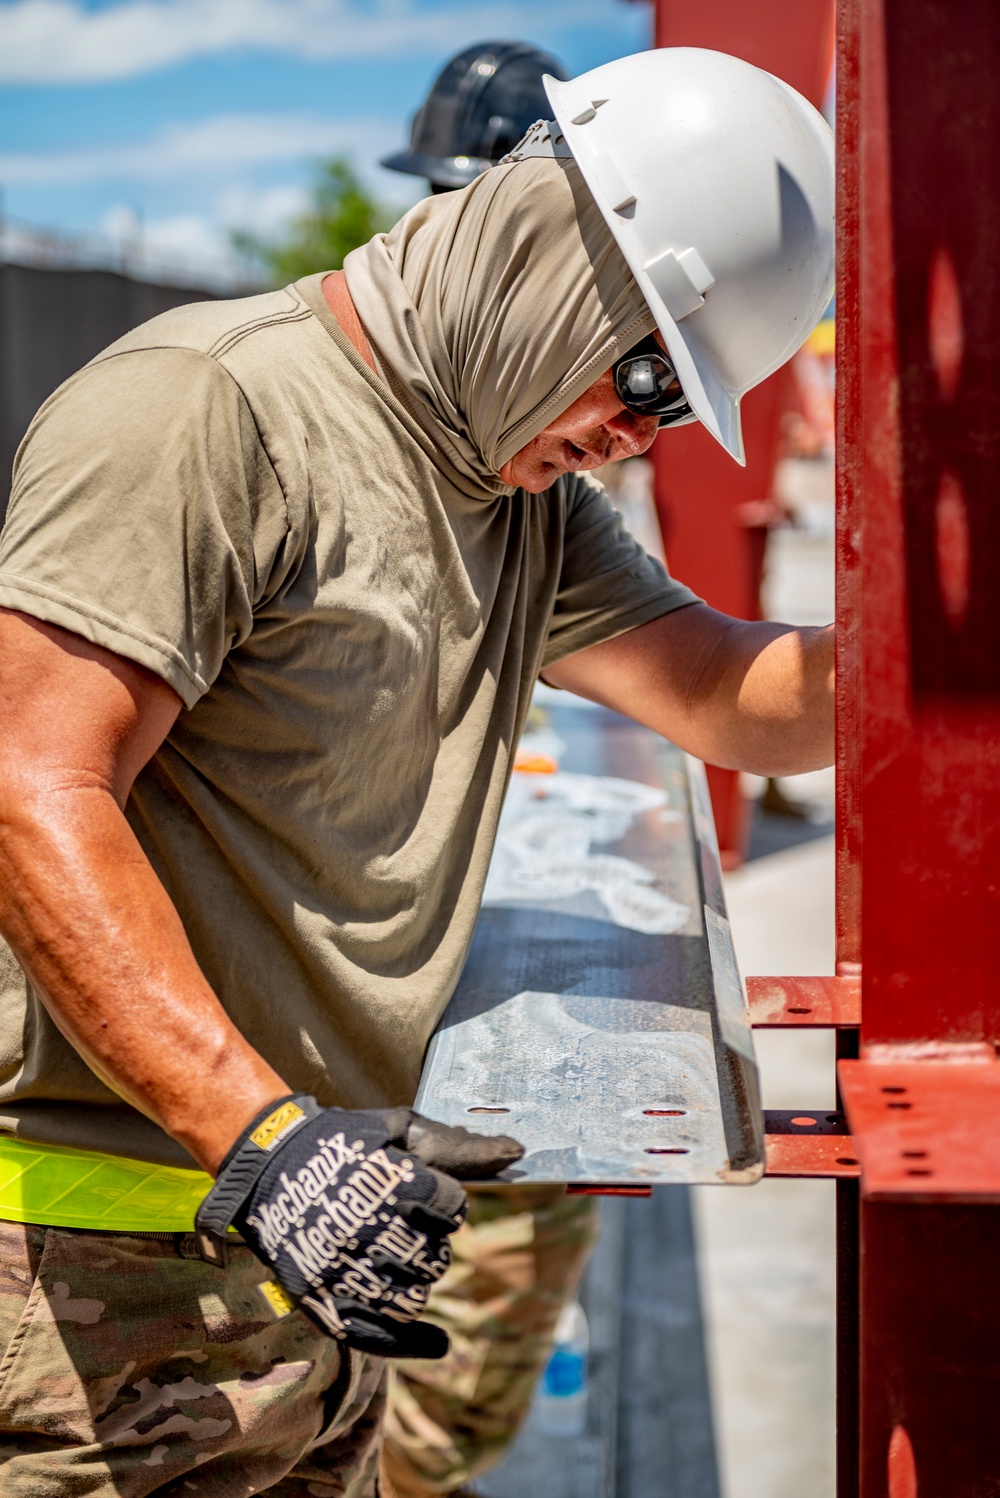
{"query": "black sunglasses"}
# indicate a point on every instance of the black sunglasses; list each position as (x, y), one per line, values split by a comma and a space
(647, 384)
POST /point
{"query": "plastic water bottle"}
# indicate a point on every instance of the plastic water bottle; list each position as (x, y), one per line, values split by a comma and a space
(562, 1400)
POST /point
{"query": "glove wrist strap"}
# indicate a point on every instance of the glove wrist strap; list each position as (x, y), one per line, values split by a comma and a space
(243, 1168)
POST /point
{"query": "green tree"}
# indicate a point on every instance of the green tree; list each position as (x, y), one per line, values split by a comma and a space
(340, 217)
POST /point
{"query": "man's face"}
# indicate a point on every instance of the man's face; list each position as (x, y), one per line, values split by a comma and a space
(595, 429)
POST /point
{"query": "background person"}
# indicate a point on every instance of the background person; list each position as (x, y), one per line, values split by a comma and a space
(479, 106)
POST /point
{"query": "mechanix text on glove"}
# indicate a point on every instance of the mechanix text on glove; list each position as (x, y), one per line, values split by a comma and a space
(350, 1214)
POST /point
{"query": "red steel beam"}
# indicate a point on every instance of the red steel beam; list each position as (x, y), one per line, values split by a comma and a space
(930, 1370)
(850, 718)
(927, 437)
(919, 440)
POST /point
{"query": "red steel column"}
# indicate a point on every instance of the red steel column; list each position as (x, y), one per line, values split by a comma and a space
(849, 713)
(710, 510)
(920, 446)
(930, 461)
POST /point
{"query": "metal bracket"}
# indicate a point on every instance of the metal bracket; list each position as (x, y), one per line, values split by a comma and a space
(925, 1130)
(801, 1143)
(807, 1142)
(810, 1003)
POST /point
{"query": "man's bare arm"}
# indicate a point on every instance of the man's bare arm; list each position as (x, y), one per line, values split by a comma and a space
(748, 696)
(80, 904)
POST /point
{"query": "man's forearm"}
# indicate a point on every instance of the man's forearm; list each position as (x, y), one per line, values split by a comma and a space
(100, 940)
(748, 696)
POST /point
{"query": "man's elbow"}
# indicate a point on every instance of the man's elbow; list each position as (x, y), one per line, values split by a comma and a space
(38, 798)
(777, 753)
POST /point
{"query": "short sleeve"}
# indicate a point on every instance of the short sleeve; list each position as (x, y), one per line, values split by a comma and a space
(145, 515)
(608, 583)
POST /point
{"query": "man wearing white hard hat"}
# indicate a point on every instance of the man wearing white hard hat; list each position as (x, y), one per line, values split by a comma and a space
(276, 581)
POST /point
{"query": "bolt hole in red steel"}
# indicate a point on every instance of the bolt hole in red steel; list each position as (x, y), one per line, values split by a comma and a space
(805, 1122)
(487, 1110)
(893, 1089)
(846, 1160)
(914, 1154)
(902, 1466)
(913, 1171)
(946, 339)
(665, 1112)
(663, 1149)
(798, 1010)
(899, 1106)
(945, 333)
(951, 517)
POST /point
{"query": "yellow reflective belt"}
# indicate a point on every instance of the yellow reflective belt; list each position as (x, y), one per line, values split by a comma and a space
(57, 1186)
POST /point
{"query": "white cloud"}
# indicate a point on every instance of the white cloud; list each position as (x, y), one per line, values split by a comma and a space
(265, 212)
(187, 234)
(200, 241)
(190, 247)
(59, 41)
(221, 144)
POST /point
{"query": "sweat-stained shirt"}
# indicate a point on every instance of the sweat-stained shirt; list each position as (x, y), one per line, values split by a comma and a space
(231, 498)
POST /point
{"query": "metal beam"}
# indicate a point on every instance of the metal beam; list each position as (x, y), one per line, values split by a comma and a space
(600, 1017)
(918, 444)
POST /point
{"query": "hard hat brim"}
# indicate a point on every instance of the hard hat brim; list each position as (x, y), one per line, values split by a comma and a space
(441, 170)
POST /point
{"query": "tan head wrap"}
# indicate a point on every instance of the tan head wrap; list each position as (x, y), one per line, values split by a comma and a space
(491, 309)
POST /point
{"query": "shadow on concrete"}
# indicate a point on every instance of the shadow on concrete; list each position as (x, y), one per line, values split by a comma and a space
(650, 1431)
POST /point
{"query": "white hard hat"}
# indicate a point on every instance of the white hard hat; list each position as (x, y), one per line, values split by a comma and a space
(717, 182)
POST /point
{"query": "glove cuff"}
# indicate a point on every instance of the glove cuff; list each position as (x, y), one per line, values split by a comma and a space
(242, 1169)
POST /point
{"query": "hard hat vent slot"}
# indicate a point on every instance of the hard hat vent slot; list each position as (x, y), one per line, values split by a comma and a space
(610, 182)
(580, 108)
(680, 280)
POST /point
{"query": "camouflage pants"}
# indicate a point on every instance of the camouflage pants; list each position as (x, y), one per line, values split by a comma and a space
(132, 1369)
(517, 1261)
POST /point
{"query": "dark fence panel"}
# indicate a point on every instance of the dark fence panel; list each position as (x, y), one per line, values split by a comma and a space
(54, 321)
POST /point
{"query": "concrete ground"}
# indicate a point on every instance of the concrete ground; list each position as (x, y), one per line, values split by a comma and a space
(766, 1255)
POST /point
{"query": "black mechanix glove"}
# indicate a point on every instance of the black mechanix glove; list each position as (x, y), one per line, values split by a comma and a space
(351, 1211)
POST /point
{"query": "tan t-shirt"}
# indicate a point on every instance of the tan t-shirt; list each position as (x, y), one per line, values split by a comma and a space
(231, 498)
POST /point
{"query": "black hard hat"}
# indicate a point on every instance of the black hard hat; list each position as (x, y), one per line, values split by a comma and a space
(482, 102)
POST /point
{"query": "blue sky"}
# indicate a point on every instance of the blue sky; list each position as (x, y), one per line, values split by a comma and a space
(194, 116)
